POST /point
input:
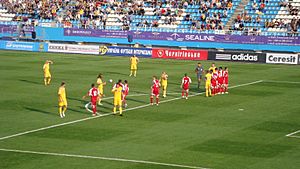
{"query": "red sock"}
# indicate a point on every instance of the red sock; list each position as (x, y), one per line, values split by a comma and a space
(94, 109)
(157, 100)
(151, 99)
(187, 94)
(182, 93)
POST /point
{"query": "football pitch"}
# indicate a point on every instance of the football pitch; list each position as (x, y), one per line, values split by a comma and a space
(255, 126)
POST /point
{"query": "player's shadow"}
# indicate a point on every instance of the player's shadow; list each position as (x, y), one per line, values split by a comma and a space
(76, 99)
(116, 73)
(135, 100)
(138, 92)
(40, 111)
(77, 111)
(29, 81)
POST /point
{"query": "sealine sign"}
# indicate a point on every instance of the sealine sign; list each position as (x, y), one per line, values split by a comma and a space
(237, 57)
(284, 58)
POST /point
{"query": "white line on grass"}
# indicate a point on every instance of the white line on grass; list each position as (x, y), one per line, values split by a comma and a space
(291, 134)
(275, 81)
(104, 158)
(107, 114)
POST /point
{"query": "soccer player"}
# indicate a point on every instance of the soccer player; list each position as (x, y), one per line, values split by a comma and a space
(213, 67)
(208, 83)
(133, 65)
(185, 84)
(214, 81)
(199, 70)
(47, 74)
(94, 94)
(164, 83)
(117, 91)
(155, 90)
(125, 93)
(100, 84)
(226, 80)
(220, 81)
(62, 100)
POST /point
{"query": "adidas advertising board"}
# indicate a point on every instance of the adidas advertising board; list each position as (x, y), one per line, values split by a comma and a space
(237, 56)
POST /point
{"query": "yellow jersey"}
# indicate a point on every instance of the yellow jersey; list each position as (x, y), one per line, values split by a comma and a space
(164, 80)
(208, 78)
(134, 60)
(100, 83)
(117, 92)
(213, 69)
(62, 97)
(46, 67)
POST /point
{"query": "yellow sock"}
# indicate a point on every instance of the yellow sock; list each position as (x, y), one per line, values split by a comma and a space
(99, 101)
(165, 92)
(130, 73)
(45, 81)
(115, 110)
(209, 91)
(134, 73)
(64, 109)
(60, 110)
(48, 81)
(206, 92)
(121, 110)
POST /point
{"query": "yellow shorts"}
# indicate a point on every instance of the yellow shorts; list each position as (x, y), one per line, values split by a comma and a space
(100, 91)
(63, 103)
(133, 67)
(47, 74)
(164, 86)
(117, 102)
(207, 85)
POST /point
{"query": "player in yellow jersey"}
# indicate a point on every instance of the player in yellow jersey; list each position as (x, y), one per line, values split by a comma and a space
(133, 65)
(101, 85)
(117, 91)
(62, 100)
(213, 67)
(164, 83)
(208, 82)
(47, 74)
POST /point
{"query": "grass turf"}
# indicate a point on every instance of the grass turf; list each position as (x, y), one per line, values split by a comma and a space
(243, 130)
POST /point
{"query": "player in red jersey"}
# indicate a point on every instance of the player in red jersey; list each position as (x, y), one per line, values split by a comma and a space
(214, 82)
(226, 80)
(125, 93)
(220, 81)
(185, 85)
(155, 90)
(94, 94)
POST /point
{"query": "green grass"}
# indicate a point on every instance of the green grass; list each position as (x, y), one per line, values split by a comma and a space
(206, 132)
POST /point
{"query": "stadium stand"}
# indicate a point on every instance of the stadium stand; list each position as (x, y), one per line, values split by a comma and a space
(259, 17)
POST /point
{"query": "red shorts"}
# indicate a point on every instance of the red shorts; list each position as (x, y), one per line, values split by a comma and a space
(155, 92)
(213, 84)
(186, 87)
(124, 96)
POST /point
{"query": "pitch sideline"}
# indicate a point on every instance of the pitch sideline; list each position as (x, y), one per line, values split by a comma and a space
(104, 158)
(107, 114)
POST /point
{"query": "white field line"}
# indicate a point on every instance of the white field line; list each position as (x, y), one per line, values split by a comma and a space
(294, 136)
(106, 114)
(275, 81)
(104, 158)
(291, 134)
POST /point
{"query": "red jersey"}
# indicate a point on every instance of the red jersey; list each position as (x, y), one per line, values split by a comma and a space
(186, 82)
(225, 77)
(220, 77)
(155, 87)
(125, 89)
(214, 79)
(94, 93)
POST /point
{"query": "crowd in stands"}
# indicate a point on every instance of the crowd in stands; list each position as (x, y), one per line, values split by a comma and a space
(95, 13)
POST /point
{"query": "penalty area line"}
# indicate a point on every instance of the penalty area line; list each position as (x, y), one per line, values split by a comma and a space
(293, 133)
(107, 114)
(103, 158)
